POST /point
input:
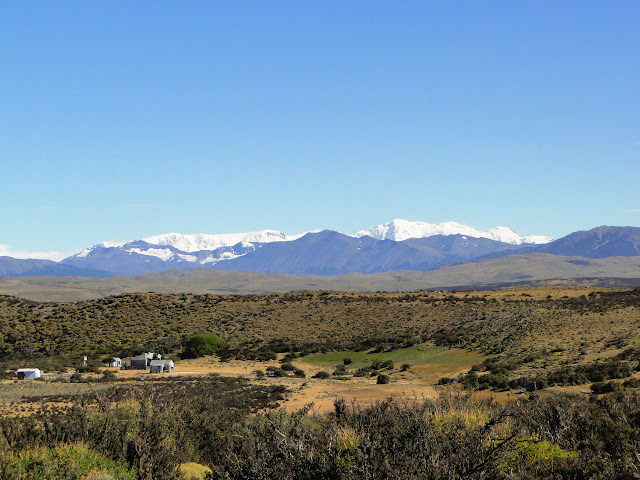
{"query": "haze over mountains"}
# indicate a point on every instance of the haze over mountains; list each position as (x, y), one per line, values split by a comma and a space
(397, 245)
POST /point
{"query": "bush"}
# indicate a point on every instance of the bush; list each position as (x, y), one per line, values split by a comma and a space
(405, 367)
(276, 372)
(322, 374)
(77, 378)
(203, 344)
(606, 387)
(340, 370)
(382, 379)
(74, 462)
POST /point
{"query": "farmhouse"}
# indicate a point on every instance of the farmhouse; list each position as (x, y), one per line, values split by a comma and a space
(115, 362)
(161, 366)
(142, 361)
(29, 373)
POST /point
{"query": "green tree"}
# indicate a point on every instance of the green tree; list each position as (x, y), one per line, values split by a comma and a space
(203, 344)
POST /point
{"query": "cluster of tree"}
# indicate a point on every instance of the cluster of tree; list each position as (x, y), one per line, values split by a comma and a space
(148, 431)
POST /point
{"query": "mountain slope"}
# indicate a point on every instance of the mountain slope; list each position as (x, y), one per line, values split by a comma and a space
(599, 242)
(16, 267)
(461, 246)
(514, 270)
(141, 257)
(332, 253)
(322, 253)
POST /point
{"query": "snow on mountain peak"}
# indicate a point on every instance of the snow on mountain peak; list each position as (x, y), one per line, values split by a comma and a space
(203, 241)
(198, 248)
(400, 229)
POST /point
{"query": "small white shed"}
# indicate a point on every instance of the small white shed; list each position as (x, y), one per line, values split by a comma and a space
(115, 362)
(29, 373)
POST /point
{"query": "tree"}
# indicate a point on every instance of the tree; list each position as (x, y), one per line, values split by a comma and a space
(203, 344)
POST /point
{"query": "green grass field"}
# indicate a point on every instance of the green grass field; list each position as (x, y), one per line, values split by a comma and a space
(417, 355)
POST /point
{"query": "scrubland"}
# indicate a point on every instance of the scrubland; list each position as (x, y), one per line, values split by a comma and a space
(514, 383)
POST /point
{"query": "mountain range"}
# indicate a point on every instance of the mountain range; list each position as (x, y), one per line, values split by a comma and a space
(396, 245)
(399, 244)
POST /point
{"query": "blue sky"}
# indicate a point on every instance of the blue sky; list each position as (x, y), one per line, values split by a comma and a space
(120, 120)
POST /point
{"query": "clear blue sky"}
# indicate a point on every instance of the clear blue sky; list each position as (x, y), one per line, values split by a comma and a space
(120, 120)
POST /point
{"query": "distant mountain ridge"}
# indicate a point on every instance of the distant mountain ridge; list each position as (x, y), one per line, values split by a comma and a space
(327, 252)
(29, 267)
(321, 253)
(210, 249)
(599, 242)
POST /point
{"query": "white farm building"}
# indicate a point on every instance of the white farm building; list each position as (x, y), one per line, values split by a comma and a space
(29, 373)
(161, 366)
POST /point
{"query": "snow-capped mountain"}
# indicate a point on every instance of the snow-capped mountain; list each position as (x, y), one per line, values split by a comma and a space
(177, 250)
(399, 230)
(397, 245)
(141, 256)
(203, 241)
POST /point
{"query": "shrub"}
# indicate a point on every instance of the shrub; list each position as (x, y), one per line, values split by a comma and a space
(405, 367)
(382, 379)
(276, 372)
(203, 344)
(322, 374)
(606, 387)
(193, 471)
(74, 462)
(340, 370)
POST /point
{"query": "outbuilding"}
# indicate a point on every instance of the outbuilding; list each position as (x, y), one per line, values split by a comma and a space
(142, 361)
(161, 366)
(115, 362)
(29, 373)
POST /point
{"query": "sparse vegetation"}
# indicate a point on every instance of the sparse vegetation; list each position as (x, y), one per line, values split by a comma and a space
(518, 340)
(223, 432)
